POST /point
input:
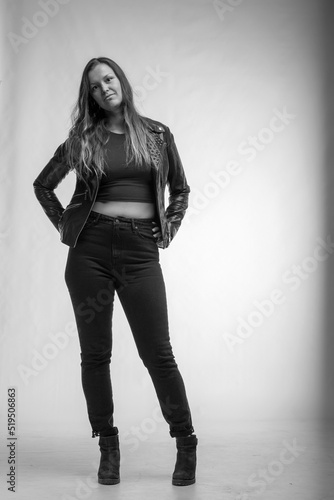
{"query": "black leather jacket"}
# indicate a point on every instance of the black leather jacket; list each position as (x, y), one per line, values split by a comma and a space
(71, 220)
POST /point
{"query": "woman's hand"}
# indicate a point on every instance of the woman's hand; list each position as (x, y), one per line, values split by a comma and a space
(156, 232)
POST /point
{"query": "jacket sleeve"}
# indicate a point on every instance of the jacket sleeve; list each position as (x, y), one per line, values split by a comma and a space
(178, 188)
(47, 181)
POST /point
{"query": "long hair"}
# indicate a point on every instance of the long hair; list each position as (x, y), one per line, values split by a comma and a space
(88, 134)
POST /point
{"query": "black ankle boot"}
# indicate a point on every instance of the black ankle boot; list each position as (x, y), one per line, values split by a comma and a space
(185, 467)
(108, 472)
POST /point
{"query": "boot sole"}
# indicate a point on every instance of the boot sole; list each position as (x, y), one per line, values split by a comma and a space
(108, 481)
(183, 482)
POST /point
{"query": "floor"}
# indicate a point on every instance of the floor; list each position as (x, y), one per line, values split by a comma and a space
(239, 461)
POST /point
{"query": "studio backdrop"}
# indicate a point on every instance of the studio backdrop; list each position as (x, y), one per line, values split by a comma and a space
(241, 86)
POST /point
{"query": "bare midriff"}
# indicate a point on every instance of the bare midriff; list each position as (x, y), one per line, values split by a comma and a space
(130, 209)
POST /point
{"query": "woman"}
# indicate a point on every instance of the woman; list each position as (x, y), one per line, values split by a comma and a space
(114, 225)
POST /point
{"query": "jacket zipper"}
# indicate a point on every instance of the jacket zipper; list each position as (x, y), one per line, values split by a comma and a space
(73, 206)
(88, 213)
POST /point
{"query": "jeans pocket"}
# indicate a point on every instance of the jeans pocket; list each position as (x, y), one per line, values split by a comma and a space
(90, 222)
(145, 231)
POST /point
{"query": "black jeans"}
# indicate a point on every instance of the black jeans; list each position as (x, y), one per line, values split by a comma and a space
(120, 254)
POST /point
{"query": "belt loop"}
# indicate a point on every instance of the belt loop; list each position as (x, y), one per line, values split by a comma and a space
(133, 226)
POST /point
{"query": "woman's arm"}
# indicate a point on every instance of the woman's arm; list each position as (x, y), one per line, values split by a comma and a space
(47, 181)
(178, 188)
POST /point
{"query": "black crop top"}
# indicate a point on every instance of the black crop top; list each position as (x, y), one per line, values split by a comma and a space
(124, 182)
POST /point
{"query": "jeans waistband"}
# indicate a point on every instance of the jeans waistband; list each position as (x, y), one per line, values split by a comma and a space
(109, 219)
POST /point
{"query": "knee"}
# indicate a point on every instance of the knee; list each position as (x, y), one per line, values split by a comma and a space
(159, 358)
(93, 360)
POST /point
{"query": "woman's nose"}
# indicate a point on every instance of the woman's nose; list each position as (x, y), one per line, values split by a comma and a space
(104, 87)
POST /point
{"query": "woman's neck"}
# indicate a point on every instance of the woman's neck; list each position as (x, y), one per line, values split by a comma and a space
(115, 123)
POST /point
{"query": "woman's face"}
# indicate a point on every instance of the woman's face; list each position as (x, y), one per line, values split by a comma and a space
(105, 87)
